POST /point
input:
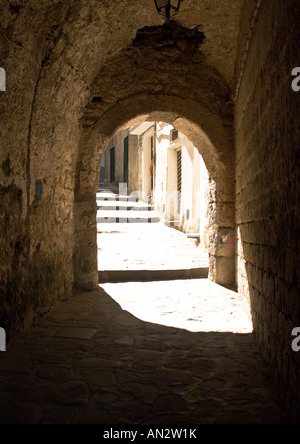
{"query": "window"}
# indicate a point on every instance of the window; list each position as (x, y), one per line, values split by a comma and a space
(179, 180)
(173, 135)
(126, 160)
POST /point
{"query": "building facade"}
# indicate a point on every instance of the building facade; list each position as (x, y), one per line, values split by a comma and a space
(181, 180)
(121, 162)
(161, 165)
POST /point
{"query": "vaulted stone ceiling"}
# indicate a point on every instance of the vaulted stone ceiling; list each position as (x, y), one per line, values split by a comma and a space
(87, 33)
(54, 51)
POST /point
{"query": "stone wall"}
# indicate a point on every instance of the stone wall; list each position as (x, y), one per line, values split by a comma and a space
(35, 181)
(50, 51)
(267, 174)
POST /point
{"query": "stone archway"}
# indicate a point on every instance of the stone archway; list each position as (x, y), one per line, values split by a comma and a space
(177, 87)
(77, 95)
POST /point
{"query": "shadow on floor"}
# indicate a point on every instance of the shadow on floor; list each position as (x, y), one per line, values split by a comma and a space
(91, 362)
(112, 276)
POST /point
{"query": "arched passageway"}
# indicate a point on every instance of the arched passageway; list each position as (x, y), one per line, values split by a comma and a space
(156, 272)
(66, 64)
(160, 80)
(78, 71)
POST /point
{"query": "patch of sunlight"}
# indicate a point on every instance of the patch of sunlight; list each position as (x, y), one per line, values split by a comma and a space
(196, 305)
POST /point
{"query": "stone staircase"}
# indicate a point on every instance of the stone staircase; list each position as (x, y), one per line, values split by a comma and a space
(117, 208)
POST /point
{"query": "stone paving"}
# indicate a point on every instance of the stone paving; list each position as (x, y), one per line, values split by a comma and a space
(176, 352)
(89, 361)
(151, 246)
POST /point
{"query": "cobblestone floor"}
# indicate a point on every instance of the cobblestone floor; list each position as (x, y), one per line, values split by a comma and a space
(136, 353)
(89, 361)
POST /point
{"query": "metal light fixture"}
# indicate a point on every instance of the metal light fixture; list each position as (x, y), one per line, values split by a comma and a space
(167, 8)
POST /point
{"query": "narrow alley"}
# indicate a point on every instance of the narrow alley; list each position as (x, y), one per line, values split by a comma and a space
(175, 351)
(92, 362)
(149, 212)
(158, 273)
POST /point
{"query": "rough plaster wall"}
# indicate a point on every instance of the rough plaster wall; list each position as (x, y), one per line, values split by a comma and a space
(50, 51)
(267, 195)
(30, 274)
(135, 179)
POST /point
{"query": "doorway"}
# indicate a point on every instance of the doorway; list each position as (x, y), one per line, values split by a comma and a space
(126, 161)
(112, 165)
